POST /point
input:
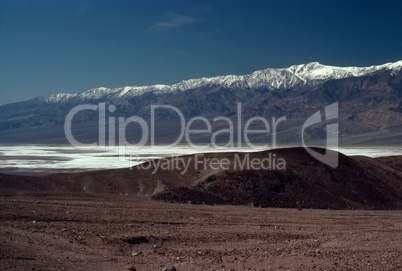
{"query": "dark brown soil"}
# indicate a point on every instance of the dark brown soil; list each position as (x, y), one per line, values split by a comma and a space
(394, 162)
(99, 232)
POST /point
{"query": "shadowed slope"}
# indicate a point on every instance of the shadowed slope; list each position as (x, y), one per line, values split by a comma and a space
(357, 183)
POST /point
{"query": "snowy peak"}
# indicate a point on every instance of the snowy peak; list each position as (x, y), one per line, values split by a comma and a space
(59, 97)
(295, 76)
(317, 71)
(314, 73)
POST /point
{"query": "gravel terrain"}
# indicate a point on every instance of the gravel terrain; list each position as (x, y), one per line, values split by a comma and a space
(100, 232)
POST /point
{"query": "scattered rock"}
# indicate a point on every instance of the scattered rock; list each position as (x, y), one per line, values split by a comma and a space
(171, 268)
(136, 253)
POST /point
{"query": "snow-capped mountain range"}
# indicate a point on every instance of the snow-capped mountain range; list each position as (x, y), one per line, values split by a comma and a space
(370, 101)
(296, 76)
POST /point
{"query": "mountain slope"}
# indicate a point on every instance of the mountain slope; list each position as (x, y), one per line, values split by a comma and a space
(370, 101)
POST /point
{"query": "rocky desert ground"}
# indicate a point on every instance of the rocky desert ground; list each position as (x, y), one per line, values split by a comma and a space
(346, 218)
(92, 232)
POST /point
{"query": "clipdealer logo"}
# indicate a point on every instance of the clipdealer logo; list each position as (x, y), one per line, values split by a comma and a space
(237, 132)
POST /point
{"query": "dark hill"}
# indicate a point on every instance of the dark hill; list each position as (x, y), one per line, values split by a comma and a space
(357, 183)
(306, 183)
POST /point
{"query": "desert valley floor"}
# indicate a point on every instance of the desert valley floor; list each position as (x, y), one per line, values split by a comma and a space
(64, 232)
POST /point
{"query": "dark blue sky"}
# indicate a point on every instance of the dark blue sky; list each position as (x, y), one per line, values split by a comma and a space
(51, 46)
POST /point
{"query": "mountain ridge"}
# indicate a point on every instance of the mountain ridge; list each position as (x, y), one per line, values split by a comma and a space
(277, 79)
(370, 106)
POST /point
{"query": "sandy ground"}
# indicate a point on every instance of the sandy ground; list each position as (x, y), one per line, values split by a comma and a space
(84, 232)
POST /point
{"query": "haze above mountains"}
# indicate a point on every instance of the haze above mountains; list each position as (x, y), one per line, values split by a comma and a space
(370, 105)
